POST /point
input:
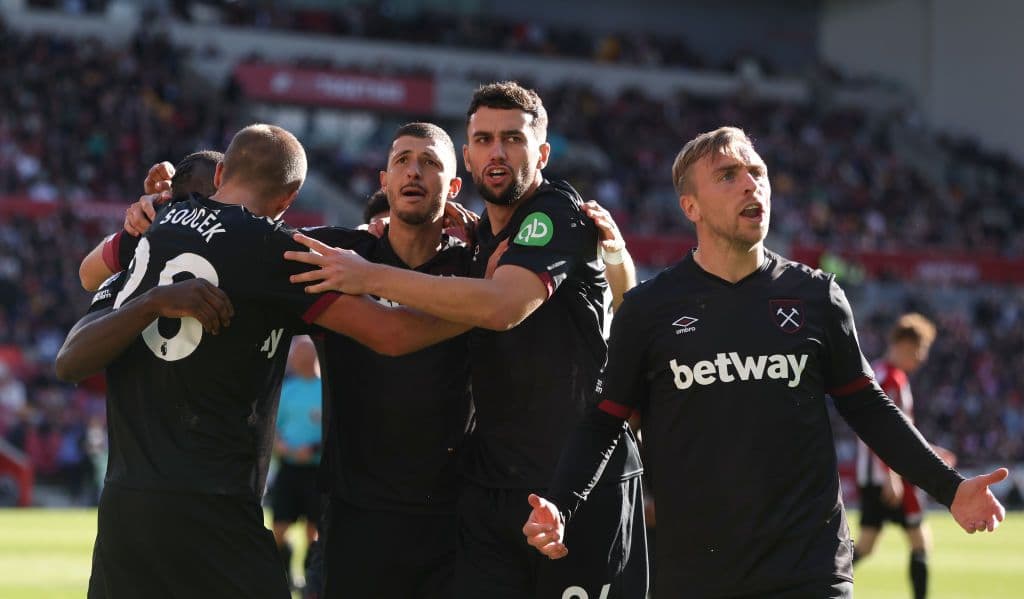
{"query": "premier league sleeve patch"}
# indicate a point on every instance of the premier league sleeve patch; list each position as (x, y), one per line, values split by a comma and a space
(788, 314)
(536, 230)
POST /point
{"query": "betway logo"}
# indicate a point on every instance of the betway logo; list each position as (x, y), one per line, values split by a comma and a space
(706, 372)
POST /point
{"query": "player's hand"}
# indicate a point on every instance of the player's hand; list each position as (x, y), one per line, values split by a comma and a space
(340, 270)
(974, 506)
(378, 225)
(544, 529)
(492, 262)
(611, 238)
(158, 178)
(139, 216)
(460, 222)
(196, 298)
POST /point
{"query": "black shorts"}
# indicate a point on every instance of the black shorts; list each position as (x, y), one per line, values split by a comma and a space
(834, 588)
(606, 541)
(874, 512)
(295, 494)
(181, 545)
(387, 555)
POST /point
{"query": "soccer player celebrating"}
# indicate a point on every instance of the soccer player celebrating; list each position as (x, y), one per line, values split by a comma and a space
(194, 174)
(536, 355)
(191, 415)
(883, 494)
(728, 355)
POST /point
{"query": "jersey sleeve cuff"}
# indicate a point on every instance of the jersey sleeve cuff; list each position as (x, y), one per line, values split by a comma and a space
(850, 388)
(110, 252)
(615, 409)
(319, 306)
(548, 281)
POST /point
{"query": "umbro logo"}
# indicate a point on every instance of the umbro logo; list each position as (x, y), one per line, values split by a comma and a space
(685, 324)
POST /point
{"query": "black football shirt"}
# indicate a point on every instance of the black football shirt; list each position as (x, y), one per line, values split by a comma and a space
(191, 411)
(731, 382)
(395, 424)
(532, 383)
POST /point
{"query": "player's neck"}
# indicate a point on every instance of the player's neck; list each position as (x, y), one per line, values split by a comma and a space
(415, 244)
(727, 261)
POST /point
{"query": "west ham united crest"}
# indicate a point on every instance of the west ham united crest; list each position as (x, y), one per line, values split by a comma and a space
(788, 314)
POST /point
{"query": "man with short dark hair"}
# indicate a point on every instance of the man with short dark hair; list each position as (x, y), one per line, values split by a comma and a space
(194, 174)
(535, 357)
(192, 401)
(728, 355)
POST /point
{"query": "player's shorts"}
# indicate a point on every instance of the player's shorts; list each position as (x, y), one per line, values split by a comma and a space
(157, 544)
(606, 540)
(874, 512)
(834, 588)
(295, 493)
(387, 555)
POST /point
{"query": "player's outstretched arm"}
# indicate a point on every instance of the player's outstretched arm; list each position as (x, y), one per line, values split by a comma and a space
(93, 269)
(545, 529)
(499, 303)
(391, 331)
(97, 339)
(619, 268)
(974, 507)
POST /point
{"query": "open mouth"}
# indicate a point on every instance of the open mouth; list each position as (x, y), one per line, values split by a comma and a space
(496, 175)
(413, 191)
(752, 211)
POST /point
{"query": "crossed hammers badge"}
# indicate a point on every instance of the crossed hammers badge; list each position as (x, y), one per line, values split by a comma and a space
(788, 314)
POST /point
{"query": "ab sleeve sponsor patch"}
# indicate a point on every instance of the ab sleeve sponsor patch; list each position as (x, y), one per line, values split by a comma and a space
(536, 230)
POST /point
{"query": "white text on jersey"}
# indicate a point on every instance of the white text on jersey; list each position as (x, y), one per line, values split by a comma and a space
(202, 220)
(271, 342)
(776, 366)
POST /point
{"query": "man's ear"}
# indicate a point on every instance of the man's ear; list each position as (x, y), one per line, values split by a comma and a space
(454, 187)
(545, 153)
(690, 207)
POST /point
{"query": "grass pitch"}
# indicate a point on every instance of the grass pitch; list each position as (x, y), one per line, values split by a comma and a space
(45, 554)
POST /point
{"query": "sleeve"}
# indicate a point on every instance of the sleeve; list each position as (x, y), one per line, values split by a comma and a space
(553, 238)
(107, 293)
(621, 387)
(872, 415)
(846, 368)
(118, 250)
(272, 284)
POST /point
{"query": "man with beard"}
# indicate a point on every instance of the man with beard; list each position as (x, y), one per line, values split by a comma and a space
(729, 355)
(536, 354)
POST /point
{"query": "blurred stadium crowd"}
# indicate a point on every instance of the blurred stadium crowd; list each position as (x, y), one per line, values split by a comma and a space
(81, 121)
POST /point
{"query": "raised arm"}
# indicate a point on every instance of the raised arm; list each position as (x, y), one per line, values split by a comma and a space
(94, 270)
(100, 337)
(499, 303)
(619, 268)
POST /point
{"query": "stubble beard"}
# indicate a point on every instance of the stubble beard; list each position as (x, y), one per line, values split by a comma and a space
(512, 194)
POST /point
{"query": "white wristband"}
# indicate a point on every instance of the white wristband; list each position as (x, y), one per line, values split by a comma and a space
(612, 257)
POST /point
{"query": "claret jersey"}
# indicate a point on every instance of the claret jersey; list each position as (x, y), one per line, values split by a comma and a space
(731, 380)
(531, 384)
(191, 411)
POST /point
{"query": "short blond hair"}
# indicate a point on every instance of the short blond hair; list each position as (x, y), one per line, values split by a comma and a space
(269, 159)
(915, 328)
(703, 145)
